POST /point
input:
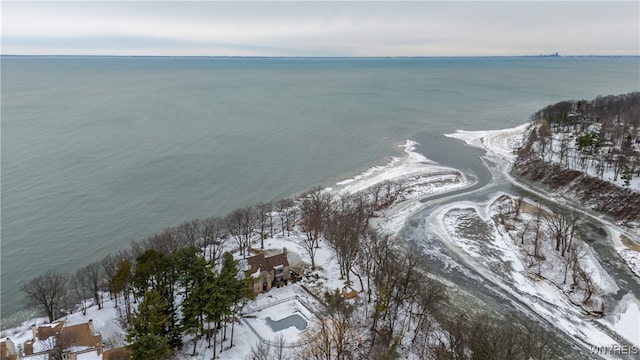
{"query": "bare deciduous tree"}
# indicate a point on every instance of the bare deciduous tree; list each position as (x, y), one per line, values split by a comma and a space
(188, 233)
(166, 242)
(75, 284)
(453, 339)
(334, 336)
(563, 224)
(537, 233)
(240, 223)
(109, 266)
(365, 260)
(91, 277)
(213, 235)
(264, 217)
(347, 224)
(260, 351)
(384, 194)
(314, 208)
(430, 296)
(48, 291)
(286, 213)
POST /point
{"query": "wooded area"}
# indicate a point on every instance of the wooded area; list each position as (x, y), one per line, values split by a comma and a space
(590, 150)
(595, 137)
(181, 286)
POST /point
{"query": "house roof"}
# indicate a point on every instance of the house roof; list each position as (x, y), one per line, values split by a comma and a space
(46, 331)
(7, 350)
(79, 336)
(262, 263)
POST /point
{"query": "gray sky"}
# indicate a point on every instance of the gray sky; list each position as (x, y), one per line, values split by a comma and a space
(360, 28)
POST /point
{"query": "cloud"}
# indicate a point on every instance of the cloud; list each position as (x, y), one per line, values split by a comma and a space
(320, 28)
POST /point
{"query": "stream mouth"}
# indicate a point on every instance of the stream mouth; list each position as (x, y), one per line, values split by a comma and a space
(468, 289)
(471, 290)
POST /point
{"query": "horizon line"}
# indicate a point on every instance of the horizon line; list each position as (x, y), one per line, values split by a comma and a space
(555, 55)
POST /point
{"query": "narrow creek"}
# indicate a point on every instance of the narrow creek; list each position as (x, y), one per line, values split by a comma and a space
(471, 289)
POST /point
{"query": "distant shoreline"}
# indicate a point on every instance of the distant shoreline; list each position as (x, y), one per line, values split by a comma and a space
(323, 57)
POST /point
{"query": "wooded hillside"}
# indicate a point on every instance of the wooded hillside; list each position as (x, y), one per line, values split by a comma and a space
(590, 150)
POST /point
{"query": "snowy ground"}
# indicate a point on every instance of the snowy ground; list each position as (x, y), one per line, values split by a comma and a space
(628, 249)
(495, 257)
(501, 143)
(421, 177)
(105, 321)
(258, 319)
(546, 298)
(418, 175)
(573, 160)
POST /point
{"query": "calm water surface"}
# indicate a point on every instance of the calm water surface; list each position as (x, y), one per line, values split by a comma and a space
(98, 152)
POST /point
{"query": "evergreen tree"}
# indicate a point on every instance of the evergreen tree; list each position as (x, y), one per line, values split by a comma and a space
(150, 347)
(147, 271)
(148, 327)
(212, 305)
(192, 278)
(236, 287)
(157, 271)
(226, 285)
(121, 283)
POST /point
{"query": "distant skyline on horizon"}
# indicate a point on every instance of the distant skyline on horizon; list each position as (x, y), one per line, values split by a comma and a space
(322, 57)
(321, 29)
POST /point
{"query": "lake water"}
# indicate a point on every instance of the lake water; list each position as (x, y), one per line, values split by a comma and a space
(98, 152)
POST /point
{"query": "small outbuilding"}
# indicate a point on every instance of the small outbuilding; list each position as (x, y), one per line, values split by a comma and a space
(349, 292)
